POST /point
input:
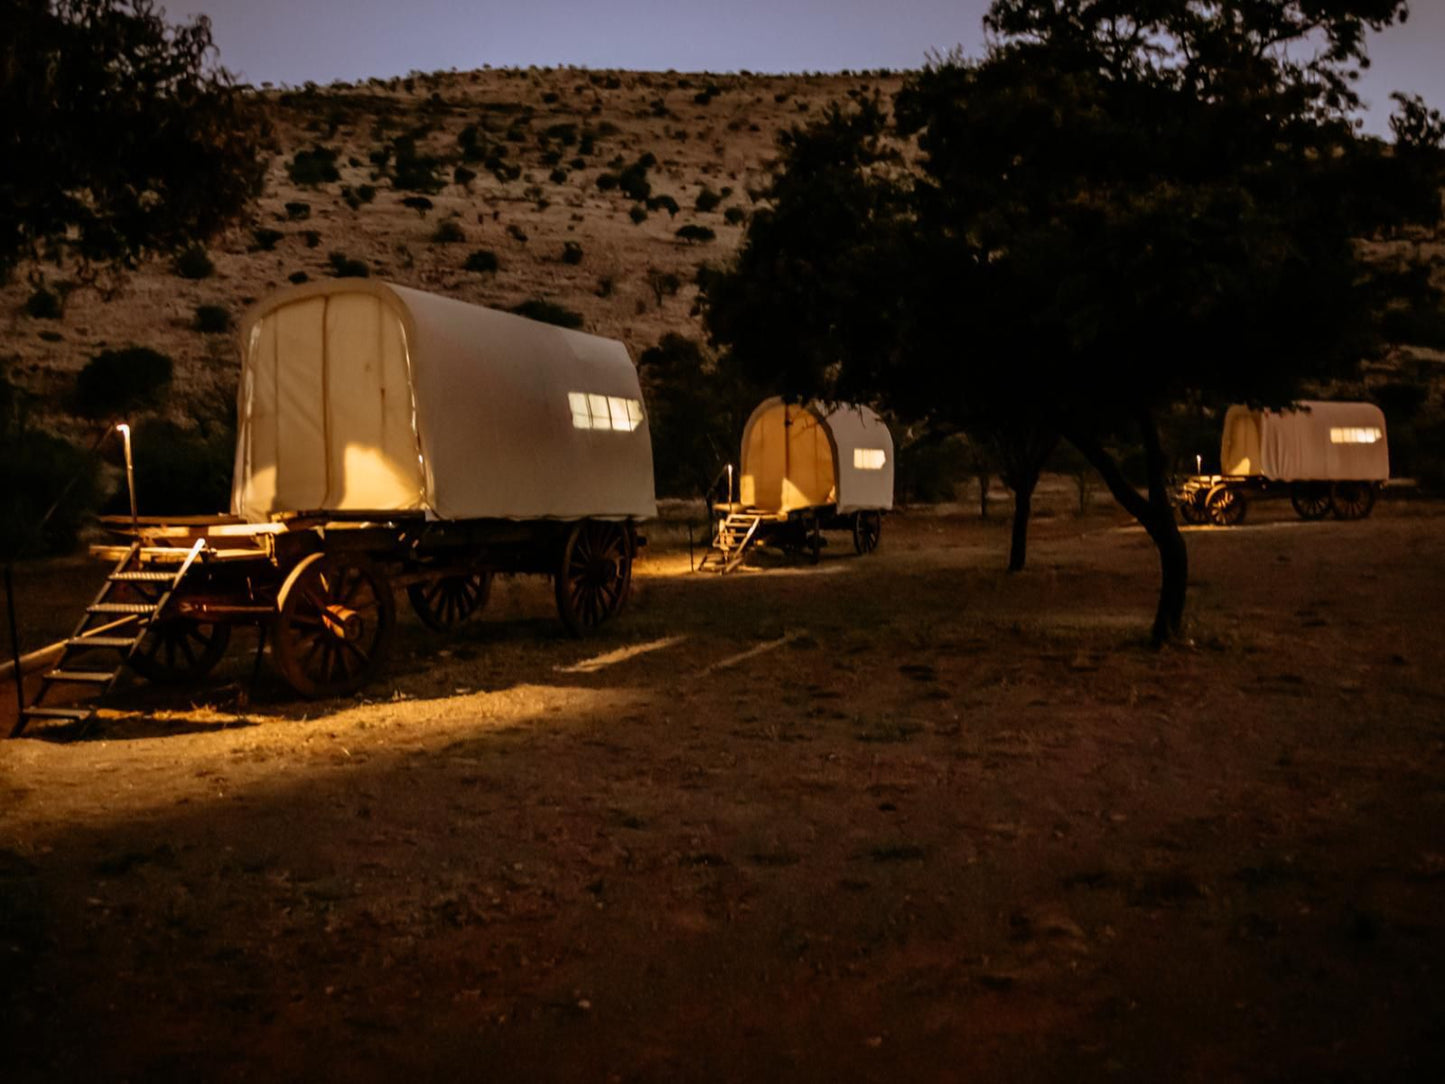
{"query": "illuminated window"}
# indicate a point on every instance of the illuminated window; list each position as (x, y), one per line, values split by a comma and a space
(869, 458)
(1356, 435)
(611, 412)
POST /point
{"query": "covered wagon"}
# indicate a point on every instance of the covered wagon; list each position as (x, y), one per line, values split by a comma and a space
(386, 438)
(803, 469)
(1329, 458)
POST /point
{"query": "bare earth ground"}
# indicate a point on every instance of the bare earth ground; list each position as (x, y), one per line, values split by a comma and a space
(958, 826)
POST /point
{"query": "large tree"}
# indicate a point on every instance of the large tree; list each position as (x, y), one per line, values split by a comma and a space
(121, 136)
(1123, 205)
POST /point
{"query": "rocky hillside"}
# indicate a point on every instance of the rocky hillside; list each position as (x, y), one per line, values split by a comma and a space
(499, 187)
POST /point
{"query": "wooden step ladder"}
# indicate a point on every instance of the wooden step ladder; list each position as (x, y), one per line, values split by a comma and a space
(116, 627)
(730, 542)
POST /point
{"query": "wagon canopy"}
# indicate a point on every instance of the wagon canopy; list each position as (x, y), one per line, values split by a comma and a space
(813, 456)
(359, 395)
(1319, 442)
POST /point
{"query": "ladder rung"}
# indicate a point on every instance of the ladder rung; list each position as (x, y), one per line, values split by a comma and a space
(142, 577)
(85, 677)
(59, 713)
(163, 553)
(121, 642)
(123, 608)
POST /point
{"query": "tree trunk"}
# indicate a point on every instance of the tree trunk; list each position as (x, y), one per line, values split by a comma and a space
(1019, 542)
(1155, 514)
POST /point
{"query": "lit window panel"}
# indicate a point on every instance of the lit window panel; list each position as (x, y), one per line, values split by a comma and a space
(617, 409)
(1354, 434)
(634, 412)
(615, 413)
(601, 415)
(869, 458)
(581, 418)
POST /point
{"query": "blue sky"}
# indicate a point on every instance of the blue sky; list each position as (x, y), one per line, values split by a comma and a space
(295, 40)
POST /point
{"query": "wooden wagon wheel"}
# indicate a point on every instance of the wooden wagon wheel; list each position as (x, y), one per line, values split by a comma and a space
(1226, 506)
(1192, 507)
(179, 650)
(595, 576)
(867, 529)
(1352, 500)
(334, 627)
(1311, 499)
(444, 603)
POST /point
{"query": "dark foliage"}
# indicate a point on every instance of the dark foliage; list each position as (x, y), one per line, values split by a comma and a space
(483, 260)
(549, 313)
(448, 232)
(707, 200)
(693, 415)
(571, 252)
(121, 138)
(344, 267)
(298, 210)
(43, 304)
(695, 234)
(116, 381)
(42, 470)
(317, 166)
(194, 263)
(265, 238)
(179, 471)
(212, 319)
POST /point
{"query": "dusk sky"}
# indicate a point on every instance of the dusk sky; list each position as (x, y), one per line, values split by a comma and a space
(292, 41)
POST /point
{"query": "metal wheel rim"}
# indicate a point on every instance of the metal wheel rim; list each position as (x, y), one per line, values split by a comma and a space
(313, 657)
(867, 530)
(1226, 508)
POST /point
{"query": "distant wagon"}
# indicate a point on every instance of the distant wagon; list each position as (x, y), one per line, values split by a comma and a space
(1328, 458)
(805, 469)
(387, 438)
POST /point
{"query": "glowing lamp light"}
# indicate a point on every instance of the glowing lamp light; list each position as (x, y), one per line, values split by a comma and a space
(124, 430)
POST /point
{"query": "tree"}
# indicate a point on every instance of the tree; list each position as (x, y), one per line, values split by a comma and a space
(1122, 206)
(122, 138)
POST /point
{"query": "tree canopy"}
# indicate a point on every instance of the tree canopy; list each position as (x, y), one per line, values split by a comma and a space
(121, 136)
(1123, 205)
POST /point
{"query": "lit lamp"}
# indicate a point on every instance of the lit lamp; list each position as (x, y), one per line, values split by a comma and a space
(124, 431)
(730, 483)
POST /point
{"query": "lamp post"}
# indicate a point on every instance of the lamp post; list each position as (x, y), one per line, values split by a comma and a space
(124, 431)
(730, 483)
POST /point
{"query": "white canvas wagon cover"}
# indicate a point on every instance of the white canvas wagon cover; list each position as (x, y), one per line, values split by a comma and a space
(816, 455)
(358, 395)
(1321, 441)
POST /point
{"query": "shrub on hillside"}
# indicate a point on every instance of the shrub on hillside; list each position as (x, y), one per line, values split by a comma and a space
(664, 203)
(212, 319)
(637, 214)
(193, 263)
(313, 167)
(40, 468)
(265, 238)
(571, 252)
(115, 381)
(707, 200)
(483, 261)
(296, 278)
(694, 234)
(448, 232)
(344, 267)
(420, 204)
(43, 304)
(734, 216)
(549, 313)
(298, 210)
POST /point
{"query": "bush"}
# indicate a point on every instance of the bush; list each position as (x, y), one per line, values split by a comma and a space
(38, 468)
(311, 168)
(516, 233)
(414, 172)
(344, 267)
(365, 193)
(662, 284)
(638, 215)
(549, 313)
(212, 319)
(664, 203)
(298, 277)
(694, 234)
(606, 181)
(558, 176)
(43, 304)
(448, 232)
(707, 200)
(179, 471)
(266, 238)
(483, 261)
(464, 176)
(734, 216)
(193, 263)
(571, 253)
(115, 381)
(420, 204)
(298, 211)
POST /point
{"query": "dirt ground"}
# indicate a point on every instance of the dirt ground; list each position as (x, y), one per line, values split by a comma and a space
(895, 818)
